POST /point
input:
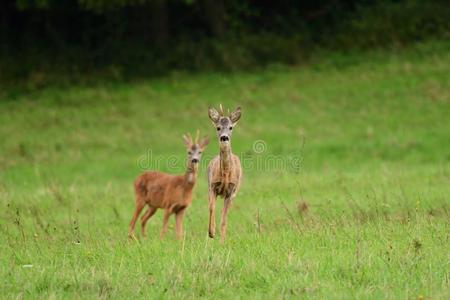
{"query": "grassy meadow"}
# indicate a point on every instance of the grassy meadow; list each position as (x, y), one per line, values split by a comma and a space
(346, 190)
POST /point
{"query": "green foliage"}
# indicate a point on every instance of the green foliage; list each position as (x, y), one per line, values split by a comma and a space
(94, 5)
(105, 5)
(99, 6)
(114, 39)
(372, 136)
(27, 4)
(395, 23)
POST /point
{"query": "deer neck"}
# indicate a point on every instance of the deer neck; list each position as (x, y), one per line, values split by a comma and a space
(190, 177)
(225, 158)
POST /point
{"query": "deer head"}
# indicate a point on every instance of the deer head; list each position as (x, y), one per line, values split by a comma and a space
(194, 148)
(224, 124)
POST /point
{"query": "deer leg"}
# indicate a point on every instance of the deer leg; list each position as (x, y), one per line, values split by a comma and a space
(148, 214)
(179, 223)
(223, 225)
(212, 215)
(167, 213)
(139, 206)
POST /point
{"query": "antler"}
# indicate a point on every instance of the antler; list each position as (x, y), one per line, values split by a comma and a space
(187, 139)
(222, 111)
(197, 136)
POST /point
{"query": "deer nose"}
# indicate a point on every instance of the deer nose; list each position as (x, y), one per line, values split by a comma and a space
(194, 160)
(224, 138)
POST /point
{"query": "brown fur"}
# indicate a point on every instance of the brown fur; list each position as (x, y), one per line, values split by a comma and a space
(224, 170)
(173, 193)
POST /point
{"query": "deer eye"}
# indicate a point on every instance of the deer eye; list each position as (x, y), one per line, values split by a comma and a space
(199, 152)
(190, 152)
(231, 128)
(218, 128)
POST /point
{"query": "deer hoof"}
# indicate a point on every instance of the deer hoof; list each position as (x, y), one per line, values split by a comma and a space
(132, 237)
(211, 234)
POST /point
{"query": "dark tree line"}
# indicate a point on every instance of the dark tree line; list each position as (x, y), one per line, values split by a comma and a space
(152, 22)
(191, 34)
(158, 22)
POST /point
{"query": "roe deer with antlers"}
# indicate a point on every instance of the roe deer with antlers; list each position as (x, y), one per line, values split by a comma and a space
(224, 170)
(173, 193)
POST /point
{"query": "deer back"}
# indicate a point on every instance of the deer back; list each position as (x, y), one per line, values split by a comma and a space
(162, 190)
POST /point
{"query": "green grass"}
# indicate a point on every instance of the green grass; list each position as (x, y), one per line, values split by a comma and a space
(364, 141)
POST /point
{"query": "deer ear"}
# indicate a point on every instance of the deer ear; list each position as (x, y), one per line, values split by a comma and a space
(213, 114)
(204, 142)
(235, 115)
(187, 140)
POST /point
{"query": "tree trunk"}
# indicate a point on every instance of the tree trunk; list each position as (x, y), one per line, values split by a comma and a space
(214, 15)
(159, 23)
(4, 28)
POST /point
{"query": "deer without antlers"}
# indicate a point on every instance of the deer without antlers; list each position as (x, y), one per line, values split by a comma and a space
(224, 170)
(173, 193)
